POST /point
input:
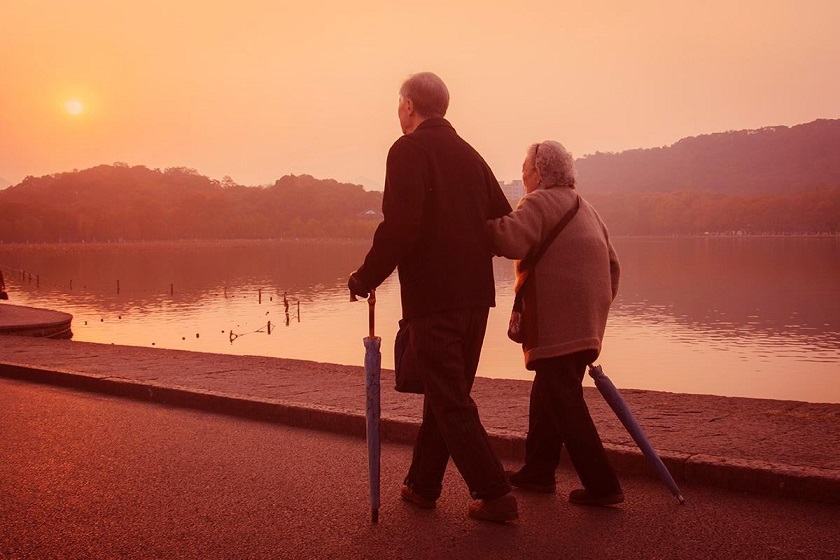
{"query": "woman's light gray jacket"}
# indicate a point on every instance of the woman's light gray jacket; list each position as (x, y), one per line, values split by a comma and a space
(568, 298)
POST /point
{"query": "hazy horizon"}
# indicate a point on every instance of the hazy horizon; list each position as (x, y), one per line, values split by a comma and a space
(260, 90)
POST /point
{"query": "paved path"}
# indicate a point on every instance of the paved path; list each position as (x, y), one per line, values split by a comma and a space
(778, 448)
(90, 476)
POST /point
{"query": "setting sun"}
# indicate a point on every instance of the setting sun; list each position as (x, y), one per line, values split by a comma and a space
(74, 107)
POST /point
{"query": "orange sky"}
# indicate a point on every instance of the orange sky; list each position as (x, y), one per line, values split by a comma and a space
(256, 89)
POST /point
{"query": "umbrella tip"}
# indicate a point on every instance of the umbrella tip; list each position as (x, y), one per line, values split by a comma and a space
(681, 499)
(374, 515)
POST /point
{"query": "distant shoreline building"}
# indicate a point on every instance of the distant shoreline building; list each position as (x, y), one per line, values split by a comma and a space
(514, 191)
(369, 214)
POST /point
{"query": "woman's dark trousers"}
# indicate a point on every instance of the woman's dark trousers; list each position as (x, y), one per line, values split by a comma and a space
(559, 415)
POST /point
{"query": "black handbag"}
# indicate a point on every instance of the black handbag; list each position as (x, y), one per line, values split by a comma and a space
(516, 331)
(406, 368)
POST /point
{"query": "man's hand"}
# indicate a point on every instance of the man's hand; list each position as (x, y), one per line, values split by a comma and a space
(357, 288)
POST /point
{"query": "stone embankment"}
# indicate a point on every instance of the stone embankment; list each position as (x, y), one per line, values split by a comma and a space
(780, 448)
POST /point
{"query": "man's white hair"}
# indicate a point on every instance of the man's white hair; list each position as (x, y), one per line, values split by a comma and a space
(428, 93)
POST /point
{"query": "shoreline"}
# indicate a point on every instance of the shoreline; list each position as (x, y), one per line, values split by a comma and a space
(779, 448)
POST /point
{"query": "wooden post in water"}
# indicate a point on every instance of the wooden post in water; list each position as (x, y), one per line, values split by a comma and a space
(118, 286)
(259, 296)
(171, 289)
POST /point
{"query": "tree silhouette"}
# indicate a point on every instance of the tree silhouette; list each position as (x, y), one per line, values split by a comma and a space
(122, 203)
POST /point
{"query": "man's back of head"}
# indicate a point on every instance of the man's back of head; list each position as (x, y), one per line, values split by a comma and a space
(428, 93)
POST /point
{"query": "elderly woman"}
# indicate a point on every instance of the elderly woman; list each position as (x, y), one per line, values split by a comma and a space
(565, 303)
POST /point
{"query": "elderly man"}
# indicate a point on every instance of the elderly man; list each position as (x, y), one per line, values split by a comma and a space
(439, 193)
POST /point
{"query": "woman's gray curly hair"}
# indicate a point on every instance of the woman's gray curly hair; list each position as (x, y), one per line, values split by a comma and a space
(555, 164)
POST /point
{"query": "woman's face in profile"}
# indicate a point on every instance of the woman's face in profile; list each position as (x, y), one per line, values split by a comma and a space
(530, 175)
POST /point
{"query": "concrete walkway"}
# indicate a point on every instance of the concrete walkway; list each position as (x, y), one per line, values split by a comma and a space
(31, 321)
(779, 448)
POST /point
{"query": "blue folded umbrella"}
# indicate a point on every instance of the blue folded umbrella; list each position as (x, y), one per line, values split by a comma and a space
(373, 366)
(619, 406)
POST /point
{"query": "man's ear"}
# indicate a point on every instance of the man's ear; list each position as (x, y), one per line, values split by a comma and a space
(409, 107)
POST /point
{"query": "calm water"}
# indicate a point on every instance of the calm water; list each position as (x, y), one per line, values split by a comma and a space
(752, 317)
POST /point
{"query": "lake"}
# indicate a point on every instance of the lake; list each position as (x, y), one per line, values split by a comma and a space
(749, 317)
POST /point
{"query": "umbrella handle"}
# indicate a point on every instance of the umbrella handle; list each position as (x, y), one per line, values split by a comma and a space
(371, 304)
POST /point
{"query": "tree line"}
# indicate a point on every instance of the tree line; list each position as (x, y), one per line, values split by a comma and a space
(705, 213)
(111, 203)
(122, 203)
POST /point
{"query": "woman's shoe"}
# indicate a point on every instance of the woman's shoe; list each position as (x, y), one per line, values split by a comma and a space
(517, 479)
(585, 498)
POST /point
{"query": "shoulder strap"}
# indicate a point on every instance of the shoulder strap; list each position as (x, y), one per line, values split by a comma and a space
(531, 260)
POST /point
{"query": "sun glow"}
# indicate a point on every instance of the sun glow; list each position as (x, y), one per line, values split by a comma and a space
(74, 107)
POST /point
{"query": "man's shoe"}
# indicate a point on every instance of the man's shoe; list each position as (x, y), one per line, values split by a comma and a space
(410, 495)
(501, 509)
(516, 479)
(585, 498)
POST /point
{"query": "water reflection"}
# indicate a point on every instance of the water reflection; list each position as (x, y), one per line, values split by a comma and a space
(147, 274)
(743, 317)
(767, 289)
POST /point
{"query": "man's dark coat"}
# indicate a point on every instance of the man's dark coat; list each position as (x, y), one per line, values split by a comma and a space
(439, 193)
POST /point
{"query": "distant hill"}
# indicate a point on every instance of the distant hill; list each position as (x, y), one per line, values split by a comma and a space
(775, 160)
(775, 180)
(119, 202)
